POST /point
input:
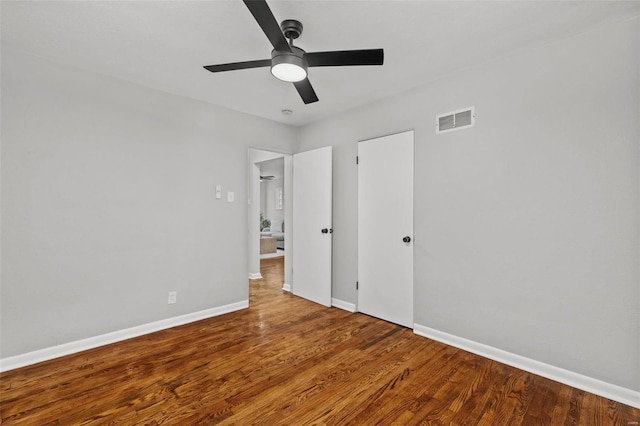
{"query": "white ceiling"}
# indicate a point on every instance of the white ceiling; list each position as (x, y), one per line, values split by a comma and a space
(273, 168)
(164, 44)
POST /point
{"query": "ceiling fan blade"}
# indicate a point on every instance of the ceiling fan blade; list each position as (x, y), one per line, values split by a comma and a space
(306, 91)
(345, 57)
(263, 15)
(239, 65)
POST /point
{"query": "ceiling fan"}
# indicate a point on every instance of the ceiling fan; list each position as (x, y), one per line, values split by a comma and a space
(290, 63)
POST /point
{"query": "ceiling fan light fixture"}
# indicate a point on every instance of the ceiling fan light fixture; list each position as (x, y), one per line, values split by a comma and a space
(289, 67)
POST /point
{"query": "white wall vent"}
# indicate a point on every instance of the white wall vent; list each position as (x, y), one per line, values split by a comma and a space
(456, 120)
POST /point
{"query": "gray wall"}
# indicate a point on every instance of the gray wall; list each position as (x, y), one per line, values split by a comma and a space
(527, 225)
(108, 203)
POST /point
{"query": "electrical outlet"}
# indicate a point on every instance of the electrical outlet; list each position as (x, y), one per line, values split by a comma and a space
(173, 297)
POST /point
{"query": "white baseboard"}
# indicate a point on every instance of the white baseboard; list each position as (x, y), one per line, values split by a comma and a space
(286, 287)
(351, 307)
(46, 354)
(256, 276)
(589, 384)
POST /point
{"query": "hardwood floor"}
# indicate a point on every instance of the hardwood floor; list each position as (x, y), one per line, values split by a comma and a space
(287, 361)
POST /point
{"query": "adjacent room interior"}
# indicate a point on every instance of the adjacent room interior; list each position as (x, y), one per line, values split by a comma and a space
(272, 208)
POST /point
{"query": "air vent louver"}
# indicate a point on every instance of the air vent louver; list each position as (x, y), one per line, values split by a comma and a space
(455, 120)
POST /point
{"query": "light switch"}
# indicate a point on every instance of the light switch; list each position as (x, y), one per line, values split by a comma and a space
(218, 192)
(230, 197)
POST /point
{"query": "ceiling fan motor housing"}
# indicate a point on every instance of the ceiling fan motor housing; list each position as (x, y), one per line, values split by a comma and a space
(295, 56)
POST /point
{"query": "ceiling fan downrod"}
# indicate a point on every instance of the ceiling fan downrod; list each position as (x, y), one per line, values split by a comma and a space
(291, 29)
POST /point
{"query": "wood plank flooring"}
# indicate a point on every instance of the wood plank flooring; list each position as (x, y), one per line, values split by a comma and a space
(287, 361)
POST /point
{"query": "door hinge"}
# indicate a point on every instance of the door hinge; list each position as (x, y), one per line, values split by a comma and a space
(357, 160)
(356, 285)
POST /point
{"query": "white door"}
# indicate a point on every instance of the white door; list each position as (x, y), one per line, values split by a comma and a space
(385, 228)
(312, 214)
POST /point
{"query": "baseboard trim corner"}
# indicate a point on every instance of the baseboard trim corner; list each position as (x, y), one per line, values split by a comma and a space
(253, 276)
(576, 380)
(341, 304)
(40, 355)
(286, 287)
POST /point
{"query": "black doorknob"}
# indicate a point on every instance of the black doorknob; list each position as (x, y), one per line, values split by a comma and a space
(325, 231)
(406, 239)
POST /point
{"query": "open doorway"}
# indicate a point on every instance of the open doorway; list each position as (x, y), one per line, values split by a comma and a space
(272, 223)
(269, 211)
